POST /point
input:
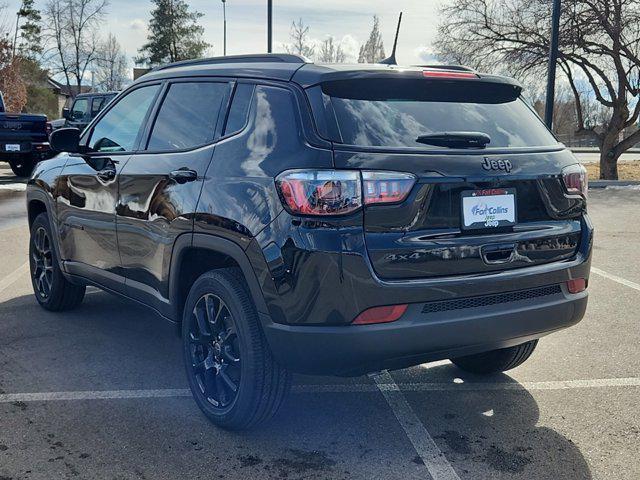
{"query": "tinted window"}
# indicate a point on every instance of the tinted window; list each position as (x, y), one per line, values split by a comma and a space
(80, 108)
(96, 105)
(239, 108)
(118, 129)
(188, 116)
(395, 114)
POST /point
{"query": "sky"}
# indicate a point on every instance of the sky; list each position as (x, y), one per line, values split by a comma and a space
(348, 21)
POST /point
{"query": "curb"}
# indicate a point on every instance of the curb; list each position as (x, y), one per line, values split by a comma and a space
(612, 183)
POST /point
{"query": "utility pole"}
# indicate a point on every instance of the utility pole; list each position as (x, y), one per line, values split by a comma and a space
(15, 37)
(224, 16)
(553, 60)
(269, 26)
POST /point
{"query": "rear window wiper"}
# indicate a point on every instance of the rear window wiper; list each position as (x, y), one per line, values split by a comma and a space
(456, 139)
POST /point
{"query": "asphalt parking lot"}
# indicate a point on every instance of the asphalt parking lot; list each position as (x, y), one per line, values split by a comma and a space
(100, 392)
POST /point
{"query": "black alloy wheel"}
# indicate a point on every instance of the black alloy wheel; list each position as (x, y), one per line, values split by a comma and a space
(52, 290)
(231, 371)
(215, 353)
(42, 257)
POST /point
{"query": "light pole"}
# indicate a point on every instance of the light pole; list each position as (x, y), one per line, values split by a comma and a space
(553, 60)
(224, 16)
(269, 26)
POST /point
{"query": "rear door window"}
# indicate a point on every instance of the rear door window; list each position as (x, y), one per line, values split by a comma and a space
(96, 105)
(239, 110)
(188, 116)
(394, 113)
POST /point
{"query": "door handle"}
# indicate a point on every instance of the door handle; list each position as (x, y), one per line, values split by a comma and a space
(107, 174)
(183, 175)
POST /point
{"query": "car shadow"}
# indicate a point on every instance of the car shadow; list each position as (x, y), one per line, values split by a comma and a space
(112, 344)
(488, 426)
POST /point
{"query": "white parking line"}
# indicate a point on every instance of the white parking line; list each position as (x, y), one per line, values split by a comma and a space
(437, 464)
(615, 278)
(13, 187)
(333, 388)
(13, 276)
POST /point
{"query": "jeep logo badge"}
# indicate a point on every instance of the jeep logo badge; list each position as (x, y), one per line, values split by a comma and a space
(489, 164)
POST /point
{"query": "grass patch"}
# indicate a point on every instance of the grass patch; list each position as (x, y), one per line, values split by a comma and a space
(626, 171)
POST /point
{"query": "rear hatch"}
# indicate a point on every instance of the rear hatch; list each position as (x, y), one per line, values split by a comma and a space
(474, 207)
(22, 130)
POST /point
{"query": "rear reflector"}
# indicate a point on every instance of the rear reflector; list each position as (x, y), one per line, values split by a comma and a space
(387, 314)
(448, 74)
(577, 285)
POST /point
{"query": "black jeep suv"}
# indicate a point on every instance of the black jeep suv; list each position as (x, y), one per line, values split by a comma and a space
(322, 219)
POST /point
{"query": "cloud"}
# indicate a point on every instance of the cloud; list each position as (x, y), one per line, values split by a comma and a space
(426, 55)
(138, 24)
(351, 47)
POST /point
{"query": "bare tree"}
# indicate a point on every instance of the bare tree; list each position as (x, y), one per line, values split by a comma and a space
(5, 29)
(373, 49)
(300, 45)
(110, 65)
(599, 47)
(331, 52)
(72, 28)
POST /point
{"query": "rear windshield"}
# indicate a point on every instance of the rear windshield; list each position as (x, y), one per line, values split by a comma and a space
(394, 113)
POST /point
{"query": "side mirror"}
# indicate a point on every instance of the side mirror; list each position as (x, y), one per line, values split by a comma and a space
(66, 113)
(65, 140)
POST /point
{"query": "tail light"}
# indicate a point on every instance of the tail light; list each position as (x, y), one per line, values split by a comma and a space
(386, 187)
(320, 192)
(340, 192)
(576, 180)
(386, 314)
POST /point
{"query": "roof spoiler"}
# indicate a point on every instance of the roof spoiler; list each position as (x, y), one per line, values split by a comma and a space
(252, 58)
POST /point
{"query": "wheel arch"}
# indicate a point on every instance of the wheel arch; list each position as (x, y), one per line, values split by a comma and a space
(38, 201)
(35, 206)
(196, 254)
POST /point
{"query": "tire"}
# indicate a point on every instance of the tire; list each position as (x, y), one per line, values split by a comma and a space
(226, 348)
(52, 290)
(496, 360)
(22, 167)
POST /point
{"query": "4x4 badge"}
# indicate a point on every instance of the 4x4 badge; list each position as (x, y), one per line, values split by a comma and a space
(489, 164)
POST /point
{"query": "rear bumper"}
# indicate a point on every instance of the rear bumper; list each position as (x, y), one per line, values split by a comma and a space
(316, 279)
(419, 337)
(39, 150)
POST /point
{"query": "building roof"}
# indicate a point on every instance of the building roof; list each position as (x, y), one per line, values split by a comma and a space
(68, 91)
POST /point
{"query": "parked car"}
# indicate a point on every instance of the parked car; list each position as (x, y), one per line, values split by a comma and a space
(84, 108)
(294, 217)
(24, 140)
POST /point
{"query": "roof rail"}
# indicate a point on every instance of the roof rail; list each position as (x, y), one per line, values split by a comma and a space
(460, 68)
(252, 58)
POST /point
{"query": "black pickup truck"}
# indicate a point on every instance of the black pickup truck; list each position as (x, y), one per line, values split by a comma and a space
(24, 140)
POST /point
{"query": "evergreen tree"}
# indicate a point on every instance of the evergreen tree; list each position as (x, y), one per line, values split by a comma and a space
(174, 34)
(30, 44)
(373, 50)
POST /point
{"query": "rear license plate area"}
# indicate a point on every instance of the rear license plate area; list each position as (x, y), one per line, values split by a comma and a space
(488, 209)
(12, 147)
